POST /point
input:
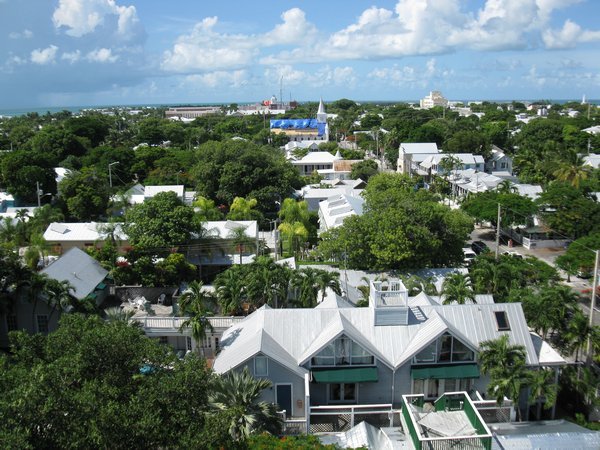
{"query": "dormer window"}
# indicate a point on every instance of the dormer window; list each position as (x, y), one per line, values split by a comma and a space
(446, 349)
(343, 352)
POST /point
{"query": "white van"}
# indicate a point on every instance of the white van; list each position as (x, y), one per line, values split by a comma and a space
(470, 255)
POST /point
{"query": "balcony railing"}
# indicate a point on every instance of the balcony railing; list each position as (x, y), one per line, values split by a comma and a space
(343, 417)
(174, 323)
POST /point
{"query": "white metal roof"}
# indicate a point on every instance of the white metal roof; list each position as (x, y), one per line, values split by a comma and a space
(319, 157)
(303, 332)
(223, 229)
(79, 232)
(151, 191)
(418, 147)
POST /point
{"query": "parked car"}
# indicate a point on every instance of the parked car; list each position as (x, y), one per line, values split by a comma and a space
(479, 247)
(470, 255)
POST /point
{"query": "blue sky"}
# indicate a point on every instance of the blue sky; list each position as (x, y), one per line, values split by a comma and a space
(99, 52)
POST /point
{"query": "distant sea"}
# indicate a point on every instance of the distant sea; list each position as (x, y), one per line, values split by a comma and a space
(75, 109)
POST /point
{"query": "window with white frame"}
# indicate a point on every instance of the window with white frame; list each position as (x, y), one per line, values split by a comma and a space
(343, 392)
(42, 323)
(261, 366)
(343, 352)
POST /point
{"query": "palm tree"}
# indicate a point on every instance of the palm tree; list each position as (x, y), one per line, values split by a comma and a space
(572, 172)
(505, 363)
(230, 289)
(457, 288)
(499, 354)
(240, 239)
(238, 393)
(326, 279)
(505, 187)
(35, 286)
(195, 307)
(267, 283)
(295, 233)
(305, 282)
(116, 315)
(58, 295)
(292, 211)
(543, 389)
(194, 294)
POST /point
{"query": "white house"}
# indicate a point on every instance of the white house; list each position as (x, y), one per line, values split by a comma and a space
(64, 236)
(334, 210)
(499, 161)
(347, 357)
(411, 154)
(465, 161)
(315, 161)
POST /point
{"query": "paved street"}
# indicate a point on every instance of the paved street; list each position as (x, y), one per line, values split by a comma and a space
(548, 255)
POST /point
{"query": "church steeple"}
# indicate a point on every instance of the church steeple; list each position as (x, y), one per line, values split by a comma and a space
(321, 114)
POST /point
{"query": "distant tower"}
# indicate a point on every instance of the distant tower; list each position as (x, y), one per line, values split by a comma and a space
(583, 102)
(321, 114)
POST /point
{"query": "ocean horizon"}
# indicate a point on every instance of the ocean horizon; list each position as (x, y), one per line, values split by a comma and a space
(41, 110)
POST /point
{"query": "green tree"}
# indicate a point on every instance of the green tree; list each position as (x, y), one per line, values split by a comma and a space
(457, 289)
(196, 304)
(230, 289)
(161, 222)
(364, 170)
(206, 210)
(267, 283)
(483, 206)
(238, 392)
(86, 194)
(244, 209)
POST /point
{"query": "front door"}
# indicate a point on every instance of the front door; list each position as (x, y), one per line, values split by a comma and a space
(284, 398)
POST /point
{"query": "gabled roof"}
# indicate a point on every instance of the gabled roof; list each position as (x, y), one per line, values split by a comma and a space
(301, 333)
(78, 268)
(318, 157)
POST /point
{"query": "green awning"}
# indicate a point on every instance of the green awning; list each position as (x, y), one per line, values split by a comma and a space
(448, 372)
(100, 287)
(92, 296)
(348, 375)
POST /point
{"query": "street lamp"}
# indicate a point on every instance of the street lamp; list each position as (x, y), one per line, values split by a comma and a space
(40, 194)
(110, 172)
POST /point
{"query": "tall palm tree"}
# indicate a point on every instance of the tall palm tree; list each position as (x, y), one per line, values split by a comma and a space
(195, 307)
(305, 283)
(238, 393)
(294, 211)
(194, 294)
(35, 287)
(116, 315)
(505, 363)
(240, 239)
(457, 288)
(58, 295)
(295, 233)
(499, 354)
(267, 283)
(326, 279)
(230, 289)
(572, 172)
(542, 389)
(505, 187)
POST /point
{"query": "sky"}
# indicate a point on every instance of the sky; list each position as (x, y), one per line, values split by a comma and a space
(117, 52)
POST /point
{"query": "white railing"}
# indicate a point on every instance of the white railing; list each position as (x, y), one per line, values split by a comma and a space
(176, 322)
(344, 417)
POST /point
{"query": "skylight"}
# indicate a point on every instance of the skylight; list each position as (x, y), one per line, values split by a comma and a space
(502, 320)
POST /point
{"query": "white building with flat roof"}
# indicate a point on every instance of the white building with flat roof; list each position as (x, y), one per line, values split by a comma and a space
(435, 98)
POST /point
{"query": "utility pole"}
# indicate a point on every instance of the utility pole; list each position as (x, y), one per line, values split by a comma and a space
(38, 193)
(110, 172)
(498, 232)
(592, 306)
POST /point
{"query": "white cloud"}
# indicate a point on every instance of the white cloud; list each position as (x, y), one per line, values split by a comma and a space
(234, 79)
(81, 17)
(293, 30)
(569, 36)
(325, 76)
(44, 56)
(101, 55)
(410, 76)
(25, 34)
(207, 50)
(71, 57)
